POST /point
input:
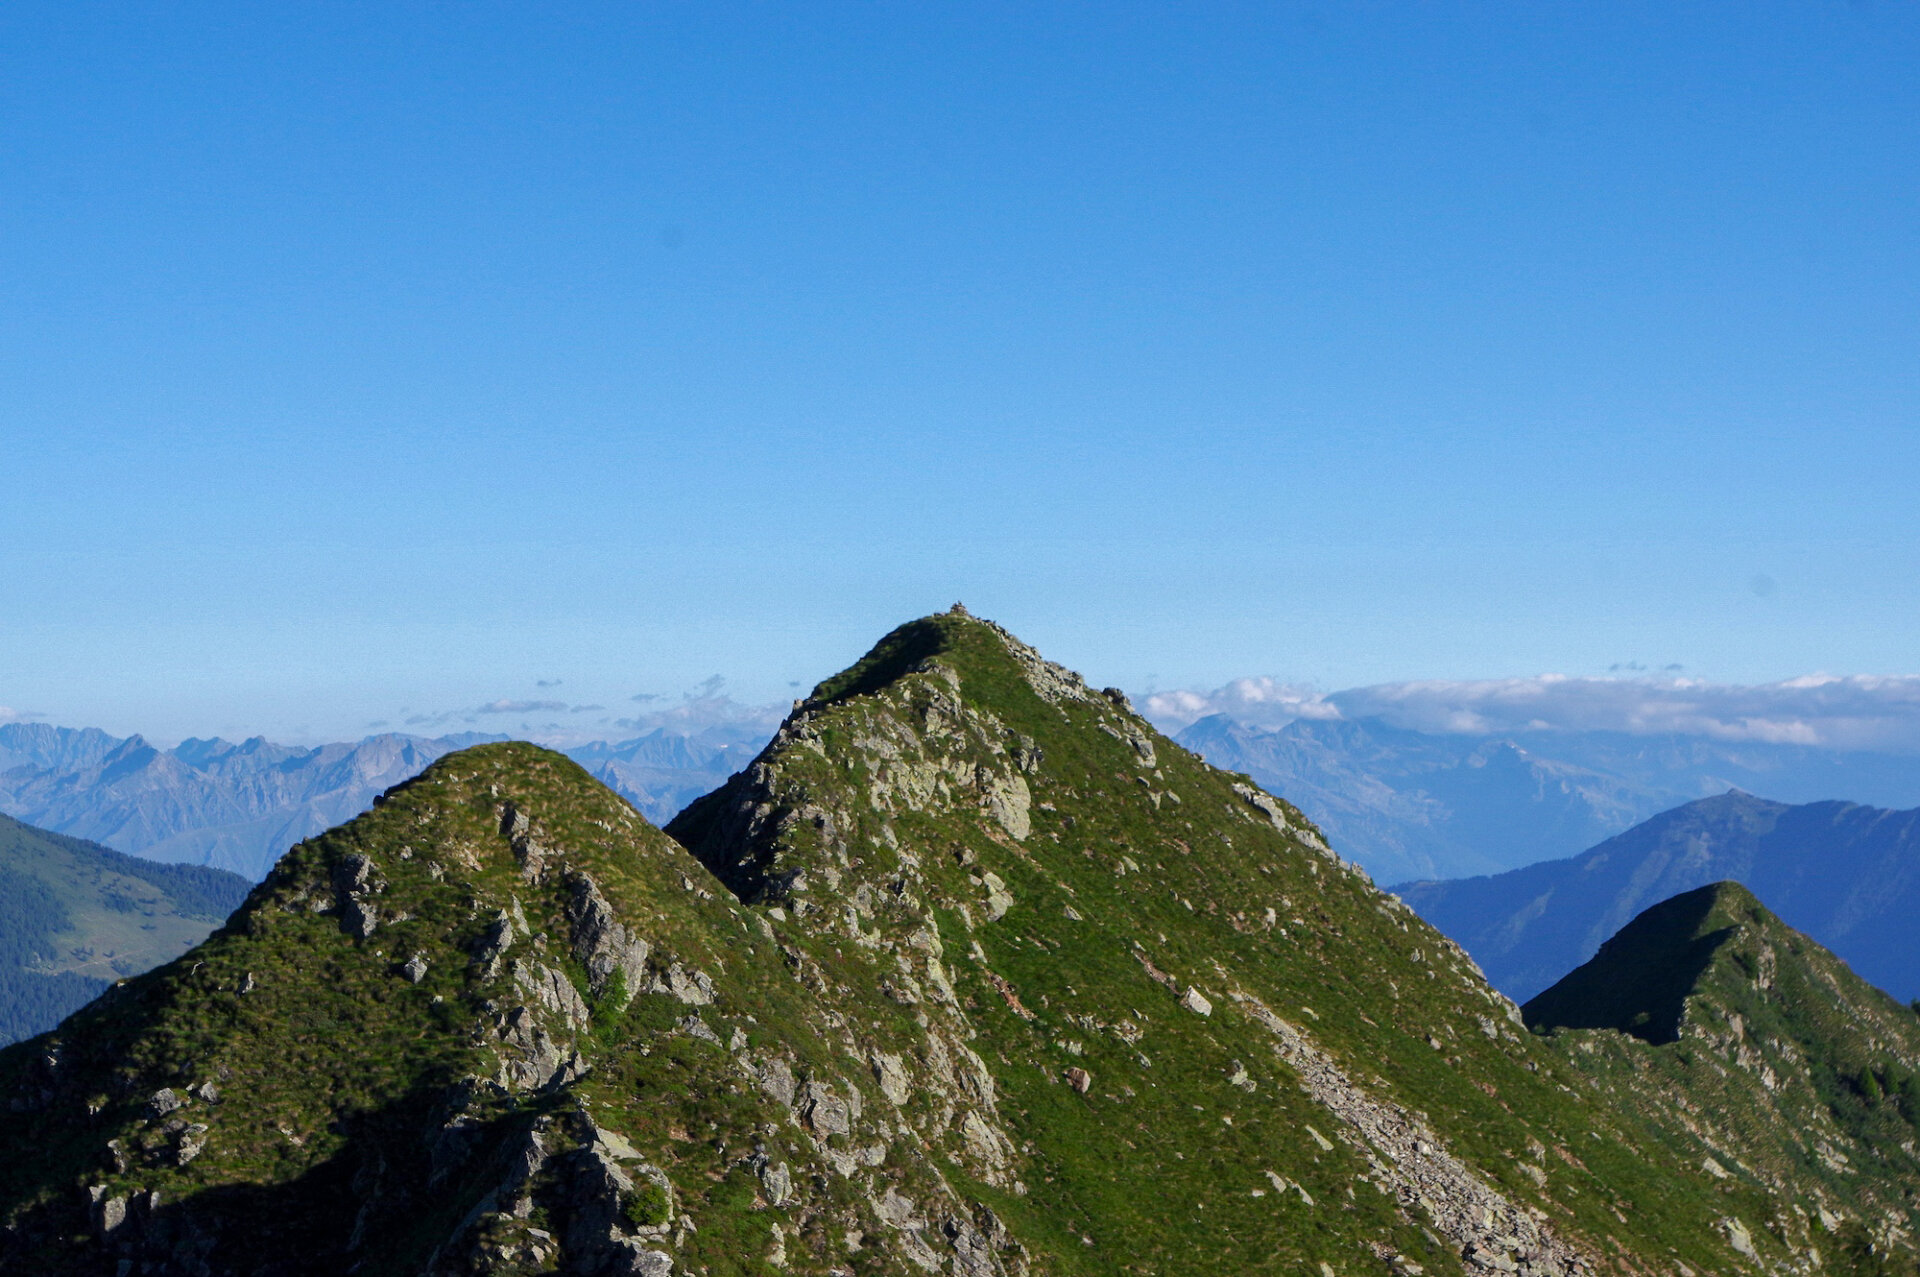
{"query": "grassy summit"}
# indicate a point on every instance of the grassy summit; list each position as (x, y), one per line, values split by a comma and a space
(970, 971)
(1641, 979)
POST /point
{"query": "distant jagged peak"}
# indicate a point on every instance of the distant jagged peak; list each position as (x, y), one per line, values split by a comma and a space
(43, 745)
(199, 750)
(131, 745)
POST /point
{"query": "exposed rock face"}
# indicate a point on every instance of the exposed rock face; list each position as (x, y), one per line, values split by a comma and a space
(601, 943)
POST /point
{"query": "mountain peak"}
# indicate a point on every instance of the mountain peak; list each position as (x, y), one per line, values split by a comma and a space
(980, 652)
(1641, 979)
(944, 724)
(1784, 1063)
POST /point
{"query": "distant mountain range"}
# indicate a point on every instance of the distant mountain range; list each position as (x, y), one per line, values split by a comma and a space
(1847, 875)
(239, 806)
(75, 916)
(1417, 805)
(1405, 804)
(663, 771)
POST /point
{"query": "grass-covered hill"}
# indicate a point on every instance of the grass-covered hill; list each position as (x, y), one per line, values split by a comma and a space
(76, 916)
(1780, 1065)
(1846, 874)
(970, 972)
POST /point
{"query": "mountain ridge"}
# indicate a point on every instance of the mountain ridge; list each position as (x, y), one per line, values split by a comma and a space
(239, 806)
(1415, 805)
(996, 957)
(1409, 804)
(1846, 874)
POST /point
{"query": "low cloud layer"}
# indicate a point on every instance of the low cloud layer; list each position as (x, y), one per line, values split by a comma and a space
(704, 711)
(1854, 712)
(697, 714)
(1258, 702)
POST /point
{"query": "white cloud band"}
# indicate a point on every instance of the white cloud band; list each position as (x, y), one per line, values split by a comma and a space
(1853, 712)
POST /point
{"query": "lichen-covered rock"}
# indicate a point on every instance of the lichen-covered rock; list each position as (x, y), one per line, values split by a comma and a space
(602, 943)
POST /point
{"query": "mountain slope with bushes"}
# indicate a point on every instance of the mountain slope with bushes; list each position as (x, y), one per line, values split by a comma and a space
(75, 916)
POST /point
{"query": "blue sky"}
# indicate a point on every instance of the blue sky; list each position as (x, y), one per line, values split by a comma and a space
(374, 361)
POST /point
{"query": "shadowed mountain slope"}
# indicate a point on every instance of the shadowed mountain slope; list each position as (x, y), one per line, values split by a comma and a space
(1780, 1064)
(1845, 874)
(74, 917)
(970, 971)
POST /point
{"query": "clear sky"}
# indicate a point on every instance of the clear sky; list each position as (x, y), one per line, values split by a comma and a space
(360, 361)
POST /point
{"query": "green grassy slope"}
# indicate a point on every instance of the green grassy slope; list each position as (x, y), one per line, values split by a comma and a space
(75, 916)
(1780, 1068)
(891, 801)
(295, 1100)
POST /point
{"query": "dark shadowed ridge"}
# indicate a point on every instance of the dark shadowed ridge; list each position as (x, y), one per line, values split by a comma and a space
(1640, 980)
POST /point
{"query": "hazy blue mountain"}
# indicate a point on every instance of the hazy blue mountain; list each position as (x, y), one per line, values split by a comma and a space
(1845, 874)
(1409, 804)
(663, 771)
(39, 745)
(75, 916)
(1406, 804)
(211, 802)
(239, 806)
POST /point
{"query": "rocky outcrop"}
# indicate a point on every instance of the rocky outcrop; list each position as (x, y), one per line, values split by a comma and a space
(602, 944)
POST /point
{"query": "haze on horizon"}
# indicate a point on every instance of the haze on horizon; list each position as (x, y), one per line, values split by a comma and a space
(372, 365)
